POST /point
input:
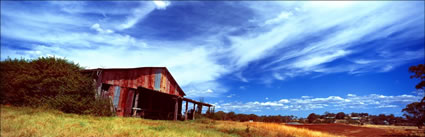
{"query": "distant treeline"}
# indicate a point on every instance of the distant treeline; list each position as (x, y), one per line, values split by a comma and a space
(49, 82)
(341, 117)
(357, 118)
(220, 115)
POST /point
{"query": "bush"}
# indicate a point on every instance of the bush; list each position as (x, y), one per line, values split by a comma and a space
(47, 81)
(205, 120)
(100, 107)
(329, 120)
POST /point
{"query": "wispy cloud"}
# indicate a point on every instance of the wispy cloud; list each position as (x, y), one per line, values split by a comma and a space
(273, 40)
(139, 13)
(306, 37)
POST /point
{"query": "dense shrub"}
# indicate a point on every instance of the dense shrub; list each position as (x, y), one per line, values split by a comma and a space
(47, 81)
(100, 107)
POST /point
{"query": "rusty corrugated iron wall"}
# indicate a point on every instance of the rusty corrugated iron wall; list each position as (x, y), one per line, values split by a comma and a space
(128, 80)
(158, 79)
(122, 84)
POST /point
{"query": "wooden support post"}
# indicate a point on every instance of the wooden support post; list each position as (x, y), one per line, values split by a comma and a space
(136, 102)
(98, 83)
(99, 91)
(200, 109)
(176, 108)
(112, 105)
(185, 112)
(194, 111)
(209, 110)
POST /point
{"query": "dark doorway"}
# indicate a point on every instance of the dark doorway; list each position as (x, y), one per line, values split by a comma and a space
(156, 105)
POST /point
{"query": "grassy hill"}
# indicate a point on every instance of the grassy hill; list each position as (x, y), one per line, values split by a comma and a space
(22, 121)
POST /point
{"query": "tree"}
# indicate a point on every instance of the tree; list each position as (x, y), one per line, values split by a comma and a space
(220, 115)
(363, 114)
(415, 111)
(231, 116)
(312, 117)
(242, 117)
(329, 115)
(340, 115)
(354, 114)
(253, 117)
(391, 119)
(419, 73)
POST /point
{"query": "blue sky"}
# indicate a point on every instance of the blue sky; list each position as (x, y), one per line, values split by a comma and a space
(266, 58)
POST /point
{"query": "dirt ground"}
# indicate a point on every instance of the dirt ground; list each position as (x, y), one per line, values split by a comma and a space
(358, 131)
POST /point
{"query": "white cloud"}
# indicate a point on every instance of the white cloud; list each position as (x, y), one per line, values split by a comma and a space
(387, 106)
(142, 11)
(387, 68)
(284, 101)
(100, 30)
(161, 4)
(231, 95)
(272, 104)
(278, 76)
(137, 14)
(282, 16)
(317, 59)
(332, 102)
(351, 95)
(305, 96)
(363, 61)
(242, 78)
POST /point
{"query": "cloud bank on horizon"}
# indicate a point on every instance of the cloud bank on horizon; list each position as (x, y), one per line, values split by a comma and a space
(330, 103)
(202, 43)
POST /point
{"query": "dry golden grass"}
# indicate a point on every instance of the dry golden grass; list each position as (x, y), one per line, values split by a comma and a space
(21, 121)
(271, 129)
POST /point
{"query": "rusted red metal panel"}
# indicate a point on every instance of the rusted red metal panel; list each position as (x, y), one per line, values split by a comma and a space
(145, 79)
(150, 79)
(129, 79)
(172, 90)
(129, 102)
(137, 80)
(134, 79)
(152, 75)
(122, 102)
(163, 84)
(141, 77)
(168, 87)
(111, 91)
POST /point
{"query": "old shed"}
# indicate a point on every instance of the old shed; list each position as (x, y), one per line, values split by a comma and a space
(148, 92)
